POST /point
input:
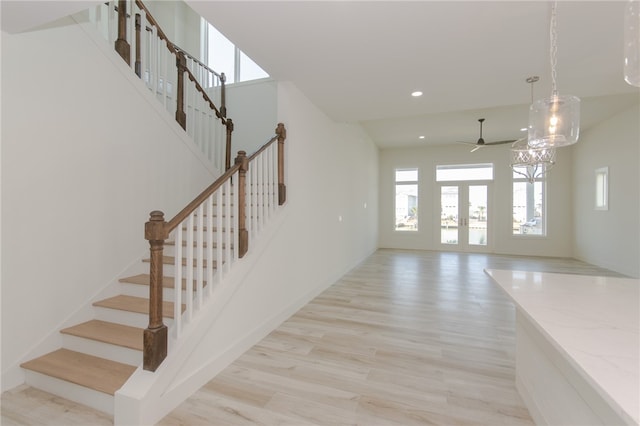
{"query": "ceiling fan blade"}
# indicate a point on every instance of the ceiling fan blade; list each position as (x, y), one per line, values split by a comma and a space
(477, 147)
(467, 143)
(500, 142)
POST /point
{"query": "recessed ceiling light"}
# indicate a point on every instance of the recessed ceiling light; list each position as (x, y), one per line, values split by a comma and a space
(524, 129)
(416, 93)
(420, 137)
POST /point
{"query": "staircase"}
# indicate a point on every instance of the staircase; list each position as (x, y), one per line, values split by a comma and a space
(130, 330)
(98, 356)
(206, 239)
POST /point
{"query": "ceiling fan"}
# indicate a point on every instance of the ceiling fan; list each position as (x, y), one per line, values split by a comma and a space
(480, 143)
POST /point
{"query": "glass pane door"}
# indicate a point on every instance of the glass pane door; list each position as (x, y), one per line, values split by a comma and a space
(450, 212)
(464, 216)
(478, 215)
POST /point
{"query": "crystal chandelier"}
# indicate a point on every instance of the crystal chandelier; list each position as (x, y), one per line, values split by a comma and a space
(531, 162)
(554, 121)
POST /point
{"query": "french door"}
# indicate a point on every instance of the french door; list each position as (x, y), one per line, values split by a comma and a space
(464, 216)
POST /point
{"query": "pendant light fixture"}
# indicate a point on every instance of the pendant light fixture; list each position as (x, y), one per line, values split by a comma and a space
(532, 163)
(554, 121)
(632, 43)
(528, 161)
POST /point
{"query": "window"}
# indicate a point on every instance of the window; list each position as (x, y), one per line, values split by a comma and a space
(223, 56)
(464, 172)
(602, 188)
(406, 200)
(528, 205)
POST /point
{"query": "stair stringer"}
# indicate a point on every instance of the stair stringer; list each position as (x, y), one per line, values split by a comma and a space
(85, 312)
(149, 396)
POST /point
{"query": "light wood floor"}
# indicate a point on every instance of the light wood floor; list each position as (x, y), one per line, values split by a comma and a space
(406, 338)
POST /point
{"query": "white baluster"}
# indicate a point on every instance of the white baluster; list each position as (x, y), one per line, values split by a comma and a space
(274, 175)
(189, 266)
(233, 221)
(210, 260)
(219, 244)
(200, 257)
(177, 291)
(153, 59)
(228, 226)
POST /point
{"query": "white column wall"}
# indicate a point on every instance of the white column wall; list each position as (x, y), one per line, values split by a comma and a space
(611, 238)
(87, 153)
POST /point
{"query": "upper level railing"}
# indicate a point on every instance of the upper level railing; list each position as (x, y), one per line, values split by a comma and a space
(163, 66)
(209, 235)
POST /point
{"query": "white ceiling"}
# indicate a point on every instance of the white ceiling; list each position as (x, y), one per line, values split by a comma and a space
(359, 61)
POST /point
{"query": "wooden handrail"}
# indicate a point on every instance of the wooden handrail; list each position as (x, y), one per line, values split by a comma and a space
(123, 47)
(202, 64)
(221, 76)
(193, 205)
(157, 231)
(173, 48)
(281, 135)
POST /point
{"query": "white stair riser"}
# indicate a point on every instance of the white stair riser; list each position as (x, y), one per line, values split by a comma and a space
(170, 250)
(76, 393)
(138, 290)
(102, 350)
(169, 271)
(133, 319)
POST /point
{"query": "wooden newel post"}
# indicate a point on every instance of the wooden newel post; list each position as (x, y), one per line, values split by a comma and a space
(243, 234)
(227, 159)
(282, 189)
(155, 335)
(138, 63)
(121, 44)
(181, 65)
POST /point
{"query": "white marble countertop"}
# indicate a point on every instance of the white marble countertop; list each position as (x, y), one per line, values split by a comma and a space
(594, 322)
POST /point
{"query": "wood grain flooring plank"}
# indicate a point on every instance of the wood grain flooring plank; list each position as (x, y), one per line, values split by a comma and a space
(406, 338)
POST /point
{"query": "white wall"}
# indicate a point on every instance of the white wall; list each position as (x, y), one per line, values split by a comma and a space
(253, 107)
(611, 238)
(559, 229)
(86, 155)
(179, 22)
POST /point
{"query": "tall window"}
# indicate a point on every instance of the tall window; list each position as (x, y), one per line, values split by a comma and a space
(406, 199)
(528, 206)
(223, 56)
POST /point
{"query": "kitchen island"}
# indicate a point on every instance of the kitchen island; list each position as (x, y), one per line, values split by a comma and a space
(577, 350)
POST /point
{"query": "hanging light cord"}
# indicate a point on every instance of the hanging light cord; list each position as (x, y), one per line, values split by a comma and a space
(553, 35)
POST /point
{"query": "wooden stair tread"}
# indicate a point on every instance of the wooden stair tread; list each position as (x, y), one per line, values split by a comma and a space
(145, 279)
(108, 332)
(171, 260)
(85, 370)
(135, 304)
